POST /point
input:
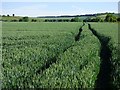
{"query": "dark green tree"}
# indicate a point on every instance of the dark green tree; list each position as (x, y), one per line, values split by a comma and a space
(3, 16)
(76, 19)
(118, 19)
(25, 19)
(13, 15)
(110, 18)
(88, 19)
(20, 20)
(34, 20)
(8, 15)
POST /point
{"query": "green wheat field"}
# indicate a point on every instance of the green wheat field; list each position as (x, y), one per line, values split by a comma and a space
(59, 55)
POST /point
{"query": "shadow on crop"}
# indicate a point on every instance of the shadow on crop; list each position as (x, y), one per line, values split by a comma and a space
(103, 79)
(47, 65)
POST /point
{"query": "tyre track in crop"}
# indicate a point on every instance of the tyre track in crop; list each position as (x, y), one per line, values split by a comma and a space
(77, 37)
(103, 79)
(53, 60)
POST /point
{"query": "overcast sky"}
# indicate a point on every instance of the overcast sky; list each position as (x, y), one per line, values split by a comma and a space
(34, 9)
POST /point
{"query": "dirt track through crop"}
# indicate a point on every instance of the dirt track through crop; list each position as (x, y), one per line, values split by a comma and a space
(103, 79)
(77, 37)
(54, 59)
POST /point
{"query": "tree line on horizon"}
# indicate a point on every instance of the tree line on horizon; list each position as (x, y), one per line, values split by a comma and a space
(109, 18)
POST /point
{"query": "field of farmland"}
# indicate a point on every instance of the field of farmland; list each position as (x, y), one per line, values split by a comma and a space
(60, 55)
